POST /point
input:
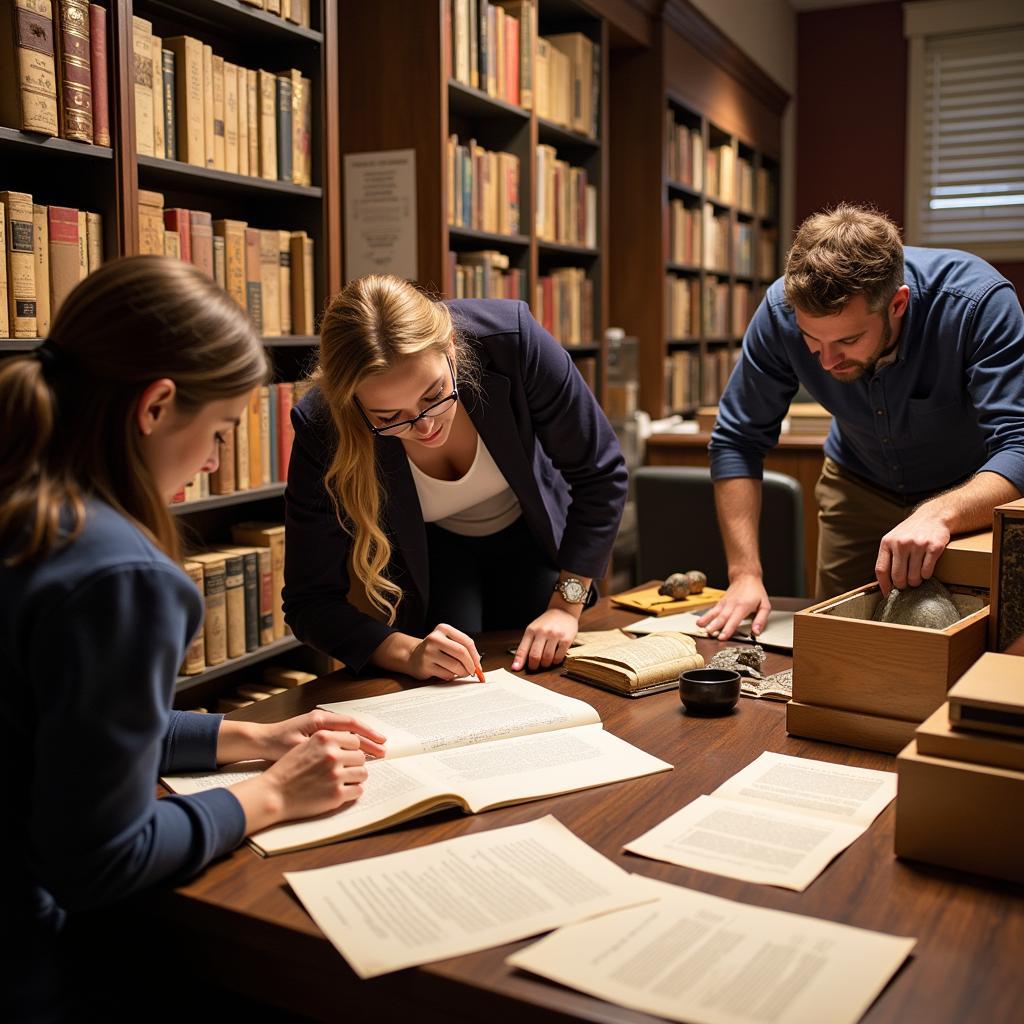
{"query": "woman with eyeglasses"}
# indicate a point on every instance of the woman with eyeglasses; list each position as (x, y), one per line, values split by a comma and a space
(451, 473)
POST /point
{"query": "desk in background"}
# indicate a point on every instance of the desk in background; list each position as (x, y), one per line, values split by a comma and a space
(239, 924)
(797, 456)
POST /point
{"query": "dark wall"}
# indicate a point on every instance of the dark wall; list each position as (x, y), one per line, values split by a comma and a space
(851, 112)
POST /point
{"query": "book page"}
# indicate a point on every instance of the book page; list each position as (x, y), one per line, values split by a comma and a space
(778, 631)
(820, 789)
(770, 846)
(604, 637)
(707, 960)
(779, 821)
(444, 715)
(460, 895)
(649, 660)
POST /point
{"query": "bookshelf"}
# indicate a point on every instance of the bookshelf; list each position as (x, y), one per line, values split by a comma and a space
(107, 180)
(403, 90)
(681, 109)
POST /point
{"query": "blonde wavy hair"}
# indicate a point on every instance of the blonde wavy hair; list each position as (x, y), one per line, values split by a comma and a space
(369, 326)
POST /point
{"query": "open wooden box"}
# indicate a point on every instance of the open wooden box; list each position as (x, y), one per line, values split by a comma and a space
(868, 684)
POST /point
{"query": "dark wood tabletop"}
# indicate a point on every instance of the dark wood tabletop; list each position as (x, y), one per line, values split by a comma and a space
(239, 923)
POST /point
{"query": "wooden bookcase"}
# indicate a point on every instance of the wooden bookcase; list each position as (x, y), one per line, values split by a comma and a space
(108, 179)
(695, 77)
(396, 93)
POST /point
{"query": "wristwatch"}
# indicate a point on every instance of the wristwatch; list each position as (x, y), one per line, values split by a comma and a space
(572, 590)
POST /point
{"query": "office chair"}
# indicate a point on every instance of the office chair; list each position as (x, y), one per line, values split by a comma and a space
(677, 529)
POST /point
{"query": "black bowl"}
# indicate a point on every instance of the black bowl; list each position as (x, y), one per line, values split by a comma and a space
(709, 691)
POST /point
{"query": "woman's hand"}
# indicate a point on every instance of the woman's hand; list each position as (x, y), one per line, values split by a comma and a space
(446, 653)
(321, 774)
(245, 741)
(546, 639)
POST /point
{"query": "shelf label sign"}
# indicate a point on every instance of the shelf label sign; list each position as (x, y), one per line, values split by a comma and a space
(380, 214)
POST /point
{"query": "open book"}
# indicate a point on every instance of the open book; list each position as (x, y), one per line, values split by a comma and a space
(635, 667)
(469, 745)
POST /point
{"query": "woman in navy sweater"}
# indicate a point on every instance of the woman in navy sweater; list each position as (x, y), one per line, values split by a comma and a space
(147, 362)
(451, 473)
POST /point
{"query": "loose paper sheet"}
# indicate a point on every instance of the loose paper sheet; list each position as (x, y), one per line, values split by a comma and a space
(444, 715)
(461, 895)
(779, 821)
(778, 631)
(706, 960)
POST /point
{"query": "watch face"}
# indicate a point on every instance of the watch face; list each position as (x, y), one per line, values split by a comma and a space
(573, 591)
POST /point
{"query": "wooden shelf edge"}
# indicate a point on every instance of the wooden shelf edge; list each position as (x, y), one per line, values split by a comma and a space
(566, 248)
(157, 168)
(46, 143)
(570, 136)
(226, 500)
(238, 14)
(468, 96)
(475, 235)
(185, 683)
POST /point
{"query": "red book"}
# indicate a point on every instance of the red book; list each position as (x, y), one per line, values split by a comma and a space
(201, 240)
(71, 22)
(285, 430)
(98, 52)
(177, 219)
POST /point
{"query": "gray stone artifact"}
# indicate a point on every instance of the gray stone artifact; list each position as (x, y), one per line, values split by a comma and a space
(929, 605)
(683, 584)
(747, 661)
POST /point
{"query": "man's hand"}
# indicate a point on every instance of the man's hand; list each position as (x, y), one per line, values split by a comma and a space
(546, 639)
(908, 553)
(746, 596)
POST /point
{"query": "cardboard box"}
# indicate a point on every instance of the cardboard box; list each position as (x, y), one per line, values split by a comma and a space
(842, 659)
(959, 815)
(990, 696)
(851, 728)
(937, 738)
(1007, 620)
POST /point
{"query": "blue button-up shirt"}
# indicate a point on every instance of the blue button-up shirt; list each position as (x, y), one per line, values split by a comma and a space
(951, 403)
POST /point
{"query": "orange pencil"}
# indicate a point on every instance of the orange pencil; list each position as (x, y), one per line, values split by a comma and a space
(480, 674)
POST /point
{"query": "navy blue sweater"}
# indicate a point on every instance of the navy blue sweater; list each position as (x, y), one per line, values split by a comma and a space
(91, 639)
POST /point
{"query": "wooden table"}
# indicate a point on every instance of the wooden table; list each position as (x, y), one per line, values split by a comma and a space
(796, 456)
(240, 924)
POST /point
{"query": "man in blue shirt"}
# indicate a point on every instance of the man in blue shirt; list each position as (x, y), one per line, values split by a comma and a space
(919, 356)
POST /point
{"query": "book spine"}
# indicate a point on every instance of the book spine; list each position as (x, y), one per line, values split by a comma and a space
(94, 229)
(41, 259)
(142, 68)
(297, 156)
(284, 290)
(252, 415)
(151, 227)
(270, 283)
(234, 601)
(285, 430)
(251, 584)
(215, 623)
(178, 220)
(156, 49)
(222, 480)
(5, 316)
(98, 71)
(230, 118)
(253, 294)
(21, 274)
(266, 460)
(201, 229)
(252, 106)
(172, 243)
(277, 571)
(267, 97)
(266, 596)
(188, 98)
(62, 222)
(242, 481)
(209, 145)
(83, 245)
(169, 91)
(75, 108)
(233, 232)
(272, 446)
(219, 263)
(195, 657)
(284, 128)
(219, 148)
(28, 76)
(243, 121)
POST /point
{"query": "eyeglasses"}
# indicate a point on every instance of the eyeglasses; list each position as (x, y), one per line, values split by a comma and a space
(432, 412)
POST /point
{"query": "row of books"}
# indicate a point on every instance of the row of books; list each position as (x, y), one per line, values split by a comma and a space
(46, 250)
(491, 47)
(715, 367)
(485, 274)
(257, 451)
(716, 308)
(682, 379)
(566, 202)
(766, 193)
(269, 273)
(276, 679)
(295, 11)
(482, 188)
(684, 224)
(716, 239)
(241, 588)
(743, 302)
(563, 303)
(53, 69)
(682, 306)
(720, 173)
(587, 366)
(768, 253)
(685, 153)
(568, 82)
(743, 248)
(193, 105)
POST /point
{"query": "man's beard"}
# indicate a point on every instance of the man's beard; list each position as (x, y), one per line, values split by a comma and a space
(856, 370)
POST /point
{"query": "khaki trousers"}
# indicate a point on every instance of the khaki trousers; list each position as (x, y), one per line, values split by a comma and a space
(853, 517)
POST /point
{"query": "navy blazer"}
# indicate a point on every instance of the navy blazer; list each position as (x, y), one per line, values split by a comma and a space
(547, 435)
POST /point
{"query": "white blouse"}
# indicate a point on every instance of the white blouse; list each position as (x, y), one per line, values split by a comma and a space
(476, 505)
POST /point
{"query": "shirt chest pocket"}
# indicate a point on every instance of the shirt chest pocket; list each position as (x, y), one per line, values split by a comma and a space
(930, 420)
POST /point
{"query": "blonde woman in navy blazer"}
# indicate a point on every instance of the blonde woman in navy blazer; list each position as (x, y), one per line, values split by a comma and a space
(452, 466)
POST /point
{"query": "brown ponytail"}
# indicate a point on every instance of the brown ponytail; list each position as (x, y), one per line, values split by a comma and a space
(66, 413)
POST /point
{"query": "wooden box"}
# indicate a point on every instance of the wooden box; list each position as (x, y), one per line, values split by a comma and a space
(888, 675)
(1006, 623)
(960, 815)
